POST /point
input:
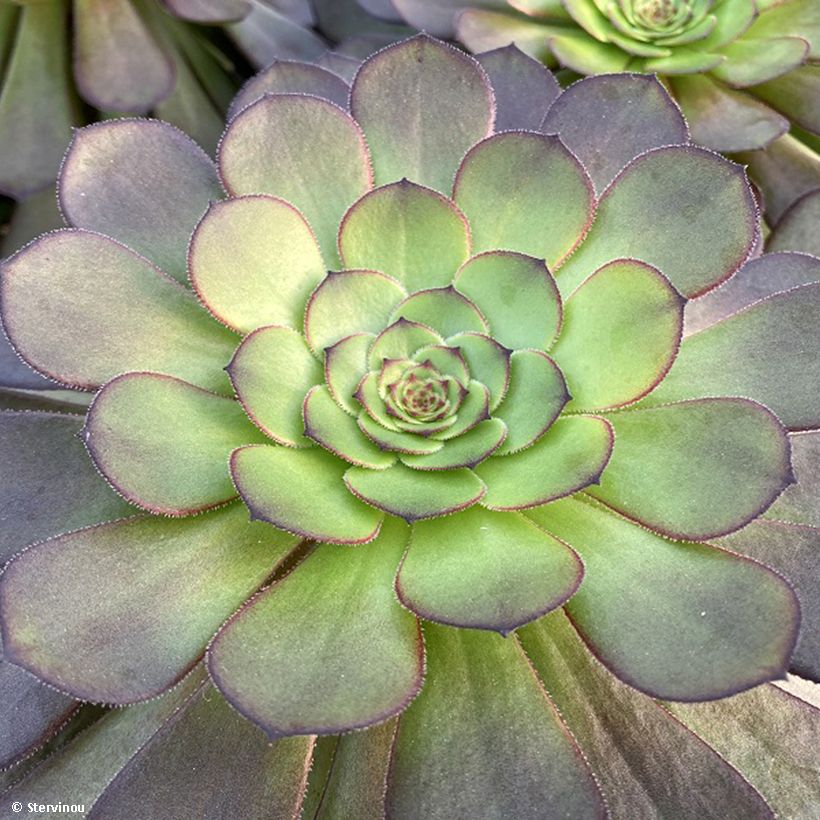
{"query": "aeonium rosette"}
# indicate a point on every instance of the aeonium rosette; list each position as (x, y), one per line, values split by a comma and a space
(418, 339)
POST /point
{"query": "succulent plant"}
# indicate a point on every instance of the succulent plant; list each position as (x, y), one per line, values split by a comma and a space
(744, 71)
(437, 358)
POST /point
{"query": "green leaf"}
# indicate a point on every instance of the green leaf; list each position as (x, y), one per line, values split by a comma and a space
(413, 495)
(345, 365)
(473, 410)
(517, 296)
(163, 444)
(682, 209)
(685, 61)
(799, 503)
(421, 104)
(349, 302)
(158, 184)
(302, 491)
(536, 395)
(647, 763)
(118, 66)
(571, 455)
(795, 95)
(750, 61)
(766, 352)
(388, 439)
(482, 698)
(254, 261)
(445, 310)
(675, 620)
(272, 371)
(553, 202)
(606, 121)
(798, 18)
(485, 570)
(449, 361)
(289, 77)
(795, 230)
(400, 341)
(488, 361)
(698, 469)
(330, 427)
(235, 768)
(622, 329)
(412, 233)
(480, 30)
(294, 146)
(132, 640)
(466, 450)
(108, 311)
(579, 52)
(360, 655)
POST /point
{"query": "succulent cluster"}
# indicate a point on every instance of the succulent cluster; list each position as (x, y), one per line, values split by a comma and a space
(486, 389)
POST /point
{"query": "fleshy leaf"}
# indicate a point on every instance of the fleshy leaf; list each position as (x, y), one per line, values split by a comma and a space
(436, 16)
(536, 395)
(751, 62)
(164, 444)
(302, 491)
(272, 372)
(338, 611)
(108, 311)
(414, 234)
(796, 229)
(254, 261)
(485, 570)
(131, 640)
(473, 410)
(444, 309)
(488, 362)
(345, 364)
(606, 121)
(622, 329)
(293, 146)
(413, 495)
(577, 51)
(466, 450)
(799, 503)
(732, 622)
(697, 469)
(482, 30)
(481, 697)
(330, 427)
(686, 211)
(141, 182)
(235, 768)
(767, 352)
(208, 11)
(400, 341)
(349, 302)
(396, 440)
(646, 762)
(421, 104)
(553, 203)
(517, 296)
(571, 455)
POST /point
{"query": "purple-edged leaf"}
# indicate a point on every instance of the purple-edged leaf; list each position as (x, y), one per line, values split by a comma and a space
(799, 503)
(345, 365)
(118, 65)
(446, 310)
(303, 492)
(164, 444)
(758, 279)
(340, 64)
(796, 230)
(537, 393)
(108, 310)
(794, 551)
(352, 301)
(771, 737)
(396, 440)
(271, 372)
(571, 455)
(131, 639)
(686, 211)
(414, 495)
(400, 341)
(474, 409)
(142, 182)
(292, 146)
(422, 104)
(523, 88)
(290, 77)
(798, 18)
(731, 622)
(622, 328)
(232, 766)
(488, 362)
(485, 570)
(553, 203)
(767, 352)
(359, 656)
(481, 30)
(795, 95)
(517, 296)
(414, 234)
(647, 763)
(208, 11)
(34, 136)
(254, 261)
(750, 61)
(482, 698)
(698, 469)
(466, 450)
(606, 121)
